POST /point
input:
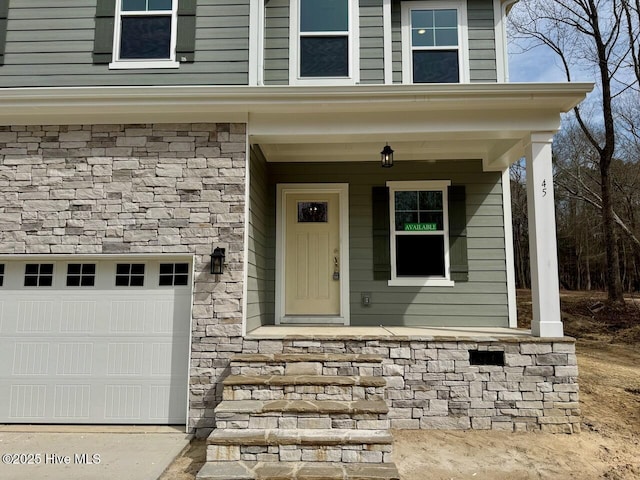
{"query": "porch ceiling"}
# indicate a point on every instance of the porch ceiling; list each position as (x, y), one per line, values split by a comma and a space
(490, 121)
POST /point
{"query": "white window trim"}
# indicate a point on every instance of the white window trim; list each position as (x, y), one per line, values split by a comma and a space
(441, 185)
(294, 48)
(463, 36)
(120, 64)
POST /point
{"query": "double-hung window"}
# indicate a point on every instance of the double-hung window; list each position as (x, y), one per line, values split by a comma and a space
(145, 34)
(419, 233)
(434, 42)
(323, 50)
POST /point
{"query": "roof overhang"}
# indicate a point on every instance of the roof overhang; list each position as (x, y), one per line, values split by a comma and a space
(489, 121)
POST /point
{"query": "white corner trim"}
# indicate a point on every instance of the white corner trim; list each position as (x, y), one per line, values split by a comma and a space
(387, 42)
(247, 207)
(508, 249)
(256, 50)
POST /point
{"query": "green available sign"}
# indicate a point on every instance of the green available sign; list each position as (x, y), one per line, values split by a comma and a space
(420, 227)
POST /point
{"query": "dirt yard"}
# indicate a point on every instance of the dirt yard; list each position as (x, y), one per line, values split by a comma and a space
(608, 447)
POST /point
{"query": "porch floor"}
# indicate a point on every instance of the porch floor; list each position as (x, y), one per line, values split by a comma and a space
(457, 334)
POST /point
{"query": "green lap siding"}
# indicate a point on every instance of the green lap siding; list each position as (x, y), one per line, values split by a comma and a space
(50, 44)
(276, 42)
(482, 301)
(371, 42)
(482, 46)
(261, 248)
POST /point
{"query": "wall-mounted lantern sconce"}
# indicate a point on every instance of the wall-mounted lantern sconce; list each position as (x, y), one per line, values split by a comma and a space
(217, 261)
(386, 156)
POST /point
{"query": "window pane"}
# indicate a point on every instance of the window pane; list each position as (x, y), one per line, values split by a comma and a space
(422, 37)
(419, 255)
(73, 269)
(73, 281)
(432, 217)
(406, 200)
(324, 57)
(181, 279)
(88, 281)
(122, 269)
(46, 281)
(421, 18)
(46, 269)
(136, 281)
(145, 37)
(31, 269)
(166, 268)
(324, 16)
(435, 66)
(137, 269)
(405, 217)
(446, 18)
(182, 268)
(165, 280)
(159, 4)
(312, 212)
(30, 281)
(446, 37)
(122, 281)
(134, 5)
(430, 200)
(89, 269)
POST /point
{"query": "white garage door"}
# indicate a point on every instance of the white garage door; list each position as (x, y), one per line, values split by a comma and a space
(94, 341)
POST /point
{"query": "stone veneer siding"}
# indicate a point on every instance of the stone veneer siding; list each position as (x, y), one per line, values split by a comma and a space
(431, 384)
(127, 189)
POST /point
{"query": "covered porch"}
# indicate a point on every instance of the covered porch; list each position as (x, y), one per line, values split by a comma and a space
(460, 139)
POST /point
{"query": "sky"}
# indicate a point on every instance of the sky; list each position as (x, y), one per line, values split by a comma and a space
(537, 65)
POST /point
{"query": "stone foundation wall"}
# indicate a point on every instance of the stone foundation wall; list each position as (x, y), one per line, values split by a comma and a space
(431, 383)
(127, 189)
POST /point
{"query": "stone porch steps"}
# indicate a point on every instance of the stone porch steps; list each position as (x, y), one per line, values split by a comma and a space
(311, 416)
(297, 471)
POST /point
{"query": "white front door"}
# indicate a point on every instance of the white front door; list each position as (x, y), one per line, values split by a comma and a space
(312, 254)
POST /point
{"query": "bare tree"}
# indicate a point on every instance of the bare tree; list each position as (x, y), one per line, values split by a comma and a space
(599, 36)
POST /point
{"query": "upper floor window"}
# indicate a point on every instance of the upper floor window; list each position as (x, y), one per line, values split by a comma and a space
(145, 34)
(434, 42)
(323, 51)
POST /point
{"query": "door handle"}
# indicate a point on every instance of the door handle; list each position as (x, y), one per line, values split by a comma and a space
(336, 268)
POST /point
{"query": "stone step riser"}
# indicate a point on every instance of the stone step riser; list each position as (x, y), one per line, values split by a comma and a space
(291, 420)
(358, 453)
(302, 392)
(307, 368)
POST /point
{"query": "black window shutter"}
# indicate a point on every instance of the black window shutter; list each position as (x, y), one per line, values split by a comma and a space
(186, 39)
(103, 40)
(380, 230)
(4, 15)
(458, 259)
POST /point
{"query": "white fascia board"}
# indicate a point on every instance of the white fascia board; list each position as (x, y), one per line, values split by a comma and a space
(31, 106)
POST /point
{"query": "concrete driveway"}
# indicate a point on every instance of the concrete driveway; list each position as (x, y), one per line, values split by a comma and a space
(88, 452)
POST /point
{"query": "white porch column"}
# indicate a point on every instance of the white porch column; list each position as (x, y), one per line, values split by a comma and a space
(542, 237)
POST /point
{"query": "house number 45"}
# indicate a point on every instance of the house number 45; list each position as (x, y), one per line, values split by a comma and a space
(544, 188)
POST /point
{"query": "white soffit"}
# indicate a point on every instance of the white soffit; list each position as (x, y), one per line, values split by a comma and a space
(296, 123)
